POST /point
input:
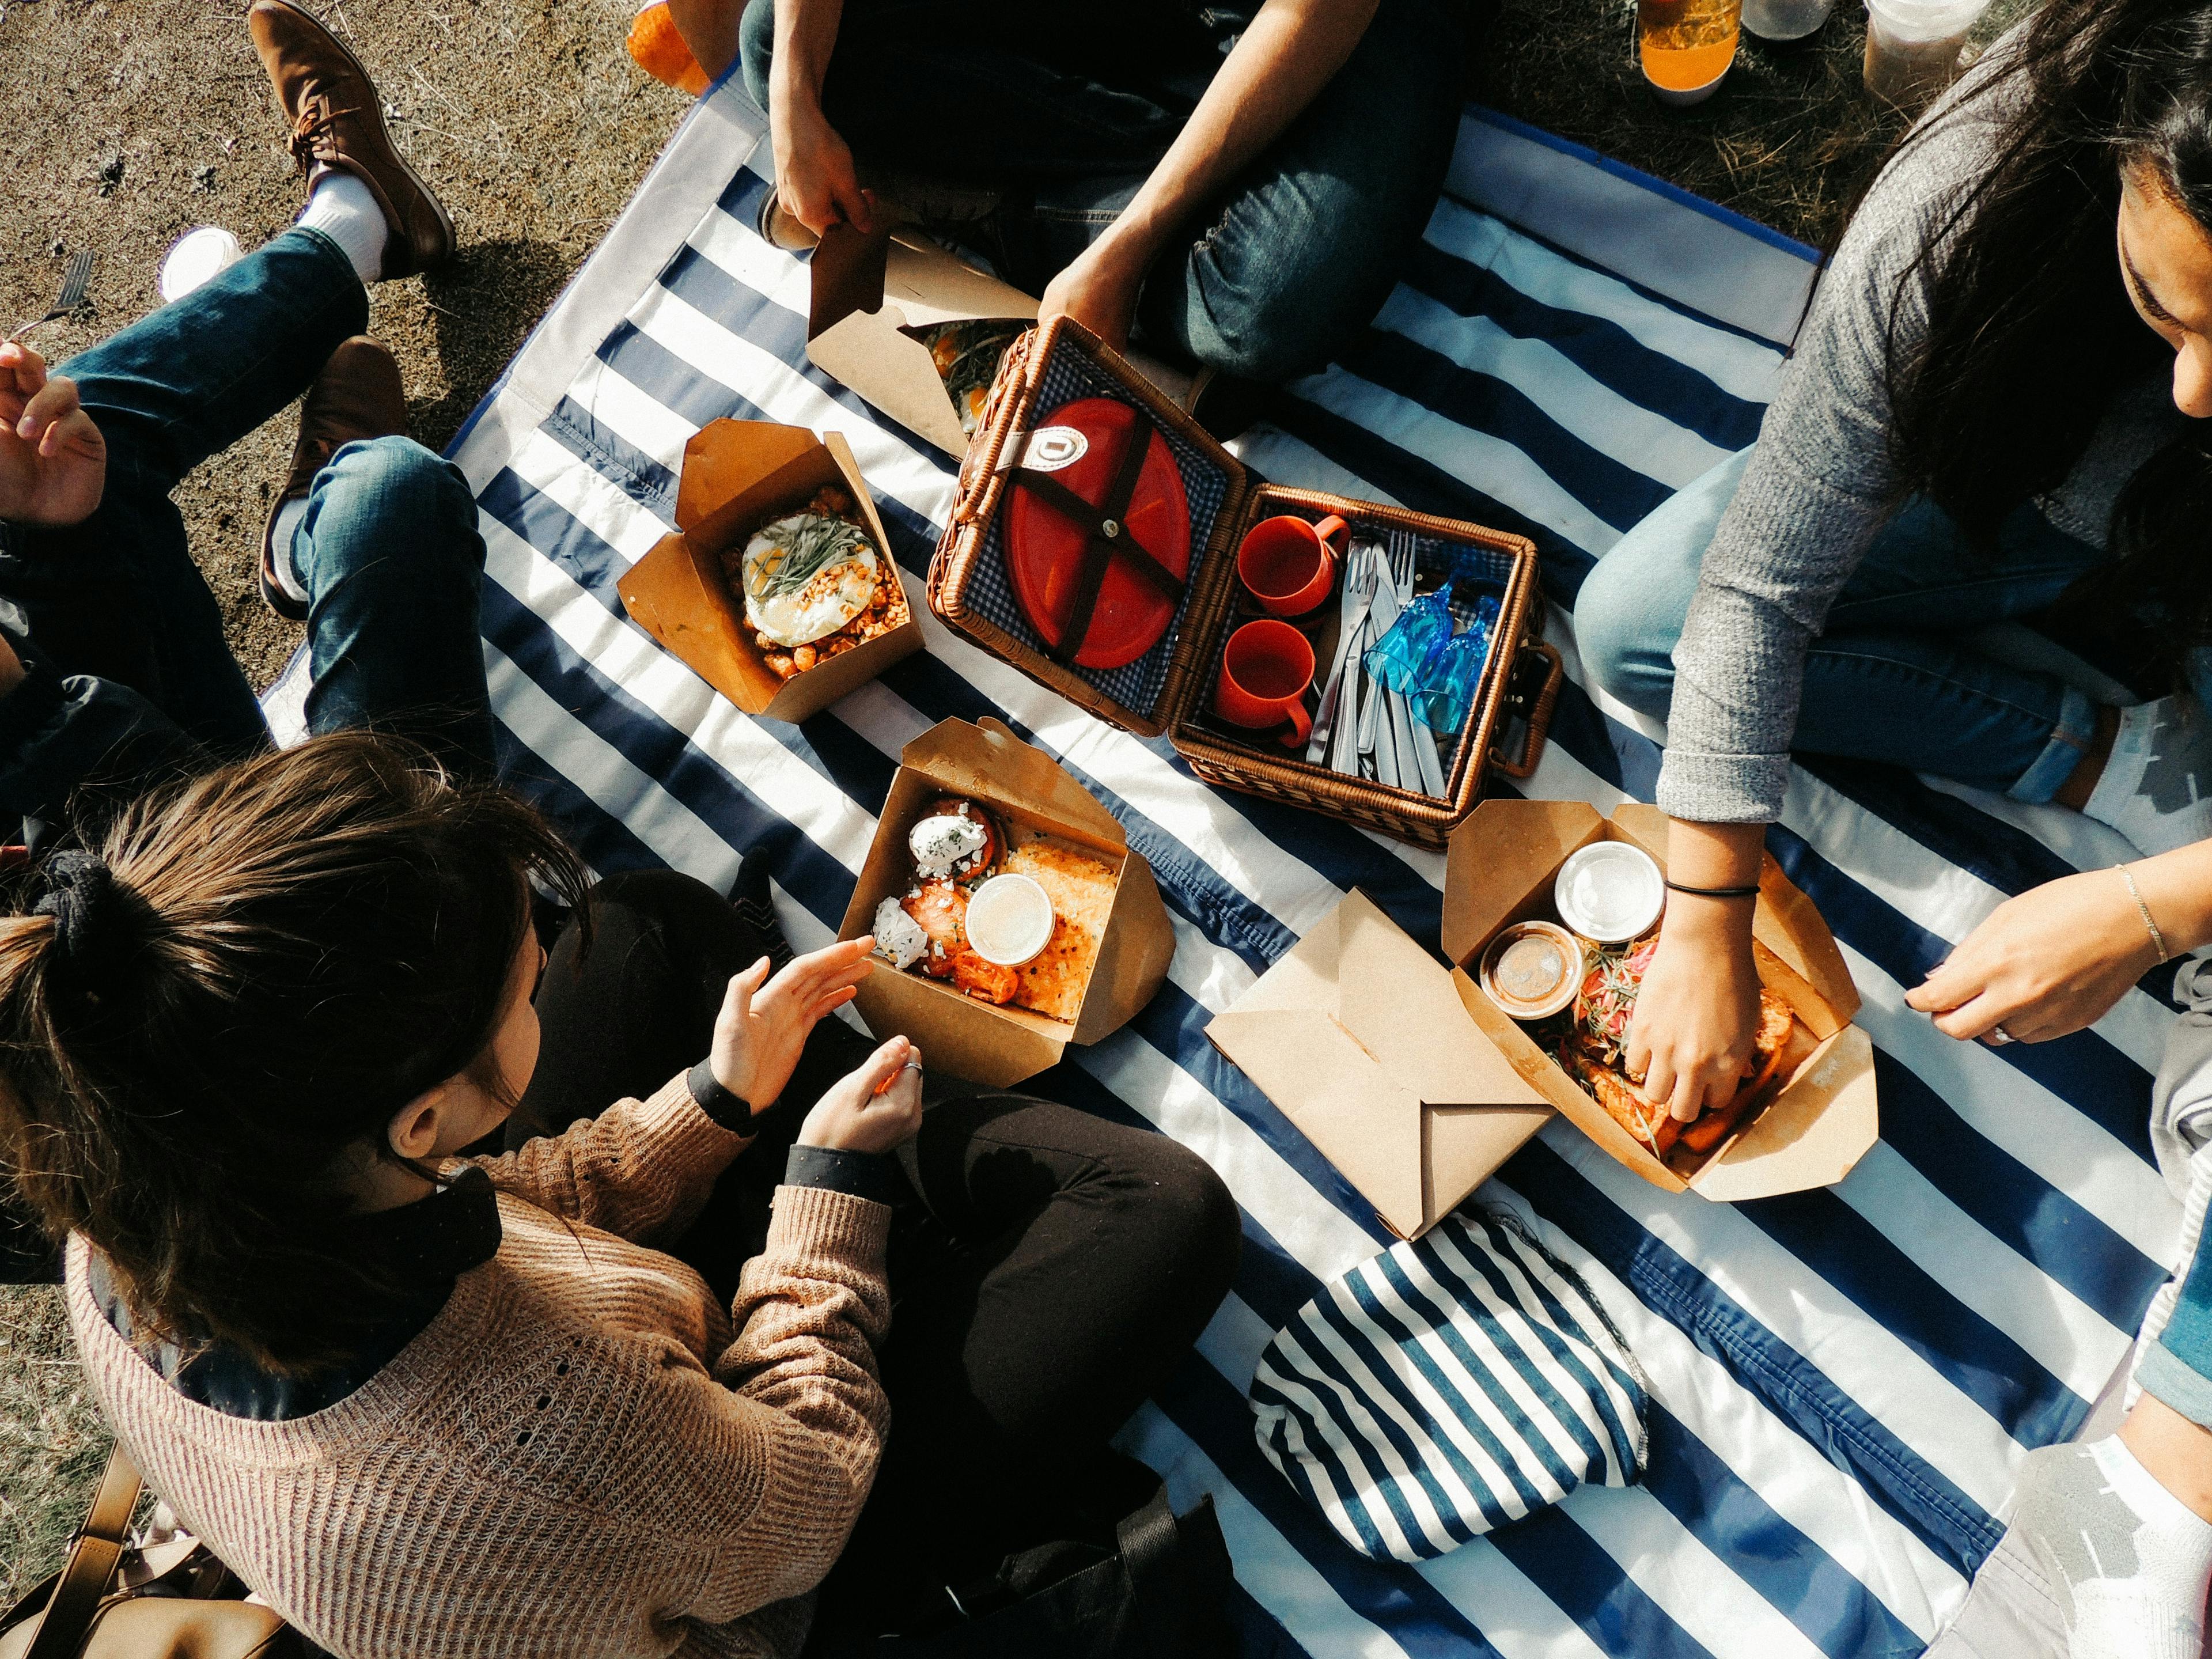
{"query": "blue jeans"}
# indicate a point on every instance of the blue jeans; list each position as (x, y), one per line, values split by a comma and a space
(1893, 675)
(128, 669)
(1068, 109)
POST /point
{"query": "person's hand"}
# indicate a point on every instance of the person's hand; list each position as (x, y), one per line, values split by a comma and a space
(53, 460)
(873, 1109)
(815, 178)
(2049, 961)
(764, 1022)
(1099, 289)
(1696, 1014)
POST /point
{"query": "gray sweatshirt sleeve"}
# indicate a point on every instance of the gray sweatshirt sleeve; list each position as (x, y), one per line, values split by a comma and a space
(1819, 487)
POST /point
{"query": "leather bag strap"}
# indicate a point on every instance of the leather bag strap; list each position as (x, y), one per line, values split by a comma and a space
(1149, 1543)
(90, 1569)
(1107, 538)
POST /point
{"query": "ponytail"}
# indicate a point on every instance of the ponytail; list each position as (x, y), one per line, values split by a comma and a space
(207, 1020)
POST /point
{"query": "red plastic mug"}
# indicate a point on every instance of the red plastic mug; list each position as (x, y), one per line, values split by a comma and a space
(1265, 672)
(1289, 565)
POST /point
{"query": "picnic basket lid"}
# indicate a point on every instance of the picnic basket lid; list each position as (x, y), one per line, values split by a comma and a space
(998, 473)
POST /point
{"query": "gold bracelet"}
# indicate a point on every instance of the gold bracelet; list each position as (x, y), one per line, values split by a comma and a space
(2157, 938)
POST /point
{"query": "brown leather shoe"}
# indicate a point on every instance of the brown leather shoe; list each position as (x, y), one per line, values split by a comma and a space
(358, 395)
(337, 125)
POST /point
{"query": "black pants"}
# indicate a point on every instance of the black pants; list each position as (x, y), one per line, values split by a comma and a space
(1048, 1269)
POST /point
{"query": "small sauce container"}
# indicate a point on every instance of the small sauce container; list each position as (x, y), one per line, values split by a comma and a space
(1610, 892)
(1532, 969)
(1010, 921)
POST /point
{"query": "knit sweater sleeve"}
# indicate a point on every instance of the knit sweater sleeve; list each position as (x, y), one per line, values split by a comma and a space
(1817, 489)
(752, 1476)
(641, 1169)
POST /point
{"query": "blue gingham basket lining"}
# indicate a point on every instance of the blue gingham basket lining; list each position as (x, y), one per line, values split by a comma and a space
(1135, 686)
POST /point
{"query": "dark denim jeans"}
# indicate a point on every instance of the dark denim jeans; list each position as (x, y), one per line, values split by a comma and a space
(124, 641)
(128, 674)
(1068, 109)
(1894, 674)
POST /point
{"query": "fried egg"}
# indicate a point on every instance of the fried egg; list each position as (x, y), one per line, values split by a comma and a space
(836, 593)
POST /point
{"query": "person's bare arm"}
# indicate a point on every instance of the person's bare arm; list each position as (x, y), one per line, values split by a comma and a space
(1288, 55)
(1697, 1011)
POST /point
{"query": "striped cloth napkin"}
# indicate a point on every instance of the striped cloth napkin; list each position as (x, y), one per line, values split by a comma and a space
(1446, 1387)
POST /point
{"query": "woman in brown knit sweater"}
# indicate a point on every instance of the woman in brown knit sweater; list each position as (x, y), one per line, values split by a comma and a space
(430, 1400)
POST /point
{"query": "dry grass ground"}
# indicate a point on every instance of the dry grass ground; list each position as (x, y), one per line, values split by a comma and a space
(123, 123)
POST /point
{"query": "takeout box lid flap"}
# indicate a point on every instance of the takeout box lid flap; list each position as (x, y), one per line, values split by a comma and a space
(957, 1035)
(729, 459)
(1809, 1135)
(988, 762)
(867, 290)
(1504, 849)
(1356, 1036)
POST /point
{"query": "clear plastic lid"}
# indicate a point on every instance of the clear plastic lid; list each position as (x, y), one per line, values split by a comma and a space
(1609, 892)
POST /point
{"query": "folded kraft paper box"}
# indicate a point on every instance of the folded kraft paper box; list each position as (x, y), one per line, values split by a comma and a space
(1416, 1086)
(1030, 795)
(738, 476)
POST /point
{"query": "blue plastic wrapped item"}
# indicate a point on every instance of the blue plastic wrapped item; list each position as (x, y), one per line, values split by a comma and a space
(1395, 659)
(1448, 676)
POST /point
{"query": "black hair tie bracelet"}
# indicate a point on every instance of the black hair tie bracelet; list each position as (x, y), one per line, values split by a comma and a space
(1751, 891)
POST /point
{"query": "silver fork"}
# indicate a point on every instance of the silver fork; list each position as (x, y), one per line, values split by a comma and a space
(75, 281)
(1361, 567)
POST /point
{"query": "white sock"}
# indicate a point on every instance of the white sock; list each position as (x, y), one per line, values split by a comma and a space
(2128, 1561)
(344, 210)
(2157, 789)
(280, 538)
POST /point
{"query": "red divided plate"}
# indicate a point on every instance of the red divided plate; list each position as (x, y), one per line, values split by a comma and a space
(1045, 548)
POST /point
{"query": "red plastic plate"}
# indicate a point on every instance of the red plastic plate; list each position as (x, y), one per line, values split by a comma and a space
(1045, 548)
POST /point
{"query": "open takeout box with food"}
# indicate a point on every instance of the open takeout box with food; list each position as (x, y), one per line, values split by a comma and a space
(1110, 942)
(774, 527)
(1416, 1085)
(1093, 544)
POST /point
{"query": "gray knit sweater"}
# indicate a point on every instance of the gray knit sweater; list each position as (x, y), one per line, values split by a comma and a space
(1820, 485)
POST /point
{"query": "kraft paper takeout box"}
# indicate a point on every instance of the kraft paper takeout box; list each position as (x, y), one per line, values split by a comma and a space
(958, 1034)
(1416, 1086)
(867, 290)
(738, 476)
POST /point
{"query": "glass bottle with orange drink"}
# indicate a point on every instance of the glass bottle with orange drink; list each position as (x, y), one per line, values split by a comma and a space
(1686, 45)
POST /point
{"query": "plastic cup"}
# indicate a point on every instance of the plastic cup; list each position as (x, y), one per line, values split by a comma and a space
(1912, 46)
(1685, 46)
(196, 258)
(1785, 20)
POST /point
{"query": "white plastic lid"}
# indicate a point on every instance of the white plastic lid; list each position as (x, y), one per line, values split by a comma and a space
(1609, 892)
(197, 257)
(1009, 920)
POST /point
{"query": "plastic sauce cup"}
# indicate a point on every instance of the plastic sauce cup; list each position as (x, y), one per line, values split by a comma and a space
(1532, 969)
(196, 258)
(1010, 921)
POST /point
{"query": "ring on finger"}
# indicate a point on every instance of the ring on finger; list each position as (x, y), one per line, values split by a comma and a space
(1997, 1036)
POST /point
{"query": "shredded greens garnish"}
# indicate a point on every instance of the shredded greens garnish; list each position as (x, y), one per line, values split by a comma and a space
(809, 544)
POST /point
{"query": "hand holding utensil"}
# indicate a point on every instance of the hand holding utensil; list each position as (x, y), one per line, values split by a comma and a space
(75, 280)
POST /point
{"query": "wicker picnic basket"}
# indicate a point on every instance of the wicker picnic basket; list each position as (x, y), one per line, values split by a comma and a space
(1166, 693)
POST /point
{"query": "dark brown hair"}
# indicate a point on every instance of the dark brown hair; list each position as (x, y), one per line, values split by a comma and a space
(2030, 330)
(249, 976)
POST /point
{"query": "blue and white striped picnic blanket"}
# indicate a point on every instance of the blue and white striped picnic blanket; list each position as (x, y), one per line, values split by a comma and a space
(1844, 1382)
